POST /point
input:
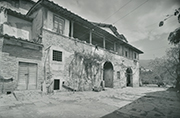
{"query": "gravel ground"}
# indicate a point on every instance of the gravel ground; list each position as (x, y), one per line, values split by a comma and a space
(140, 102)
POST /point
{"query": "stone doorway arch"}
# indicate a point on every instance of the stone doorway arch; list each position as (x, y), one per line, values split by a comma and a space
(108, 73)
(129, 78)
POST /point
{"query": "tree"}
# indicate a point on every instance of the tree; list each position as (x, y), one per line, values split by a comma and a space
(157, 68)
(161, 69)
(172, 61)
(174, 38)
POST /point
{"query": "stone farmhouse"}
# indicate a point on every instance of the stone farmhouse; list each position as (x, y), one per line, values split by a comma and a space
(45, 46)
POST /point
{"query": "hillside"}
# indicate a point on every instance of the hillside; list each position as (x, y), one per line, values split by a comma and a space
(145, 64)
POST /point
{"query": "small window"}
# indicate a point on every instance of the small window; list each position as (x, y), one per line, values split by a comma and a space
(126, 53)
(58, 24)
(57, 55)
(56, 84)
(118, 74)
(135, 56)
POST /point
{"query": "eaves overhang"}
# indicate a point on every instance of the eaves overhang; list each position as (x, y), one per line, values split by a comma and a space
(18, 14)
(21, 40)
(71, 16)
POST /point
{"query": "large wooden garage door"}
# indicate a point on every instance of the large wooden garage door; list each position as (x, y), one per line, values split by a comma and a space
(27, 76)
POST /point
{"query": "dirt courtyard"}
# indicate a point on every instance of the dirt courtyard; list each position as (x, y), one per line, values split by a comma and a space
(149, 102)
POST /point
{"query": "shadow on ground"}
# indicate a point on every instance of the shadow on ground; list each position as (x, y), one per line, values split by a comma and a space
(162, 104)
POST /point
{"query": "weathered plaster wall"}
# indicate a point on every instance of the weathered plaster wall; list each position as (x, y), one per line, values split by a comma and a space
(119, 49)
(24, 28)
(11, 56)
(69, 46)
(13, 31)
(23, 8)
(18, 49)
(10, 67)
(3, 16)
(37, 25)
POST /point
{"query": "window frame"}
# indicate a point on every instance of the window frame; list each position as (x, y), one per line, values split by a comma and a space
(59, 21)
(135, 56)
(126, 53)
(118, 75)
(55, 57)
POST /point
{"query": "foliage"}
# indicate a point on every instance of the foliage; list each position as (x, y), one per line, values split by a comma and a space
(176, 13)
(162, 72)
(174, 38)
(173, 63)
(85, 70)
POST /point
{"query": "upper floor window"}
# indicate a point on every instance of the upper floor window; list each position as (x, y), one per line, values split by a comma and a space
(135, 56)
(59, 24)
(126, 53)
(57, 55)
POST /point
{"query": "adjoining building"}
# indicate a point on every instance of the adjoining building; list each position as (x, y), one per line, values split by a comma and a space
(45, 44)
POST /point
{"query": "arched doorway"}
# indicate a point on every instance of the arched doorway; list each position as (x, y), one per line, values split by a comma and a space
(108, 74)
(129, 77)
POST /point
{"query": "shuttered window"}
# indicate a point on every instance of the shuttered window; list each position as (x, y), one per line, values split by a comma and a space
(57, 55)
(59, 24)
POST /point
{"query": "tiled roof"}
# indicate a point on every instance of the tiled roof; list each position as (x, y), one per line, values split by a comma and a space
(20, 39)
(18, 14)
(113, 29)
(72, 16)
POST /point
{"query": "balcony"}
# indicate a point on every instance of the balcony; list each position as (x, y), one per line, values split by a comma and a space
(13, 31)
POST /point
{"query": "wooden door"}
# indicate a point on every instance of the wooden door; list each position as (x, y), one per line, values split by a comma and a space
(129, 77)
(23, 76)
(108, 77)
(27, 76)
(32, 76)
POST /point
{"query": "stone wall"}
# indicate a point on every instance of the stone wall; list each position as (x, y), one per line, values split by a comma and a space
(22, 28)
(70, 46)
(25, 50)
(9, 63)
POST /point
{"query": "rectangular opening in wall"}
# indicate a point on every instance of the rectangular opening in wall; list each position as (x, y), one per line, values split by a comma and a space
(57, 55)
(126, 53)
(118, 74)
(59, 24)
(135, 56)
(27, 76)
(97, 39)
(56, 84)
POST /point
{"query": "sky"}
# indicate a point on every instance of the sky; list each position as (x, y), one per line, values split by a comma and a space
(137, 20)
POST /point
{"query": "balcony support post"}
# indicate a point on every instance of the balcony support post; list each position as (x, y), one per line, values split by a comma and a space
(90, 37)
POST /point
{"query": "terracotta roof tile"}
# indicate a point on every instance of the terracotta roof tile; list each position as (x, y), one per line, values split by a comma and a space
(18, 14)
(72, 16)
(20, 39)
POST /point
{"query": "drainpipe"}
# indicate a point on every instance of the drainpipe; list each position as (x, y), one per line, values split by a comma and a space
(44, 83)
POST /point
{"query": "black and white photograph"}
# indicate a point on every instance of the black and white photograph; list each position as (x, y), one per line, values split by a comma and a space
(89, 58)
